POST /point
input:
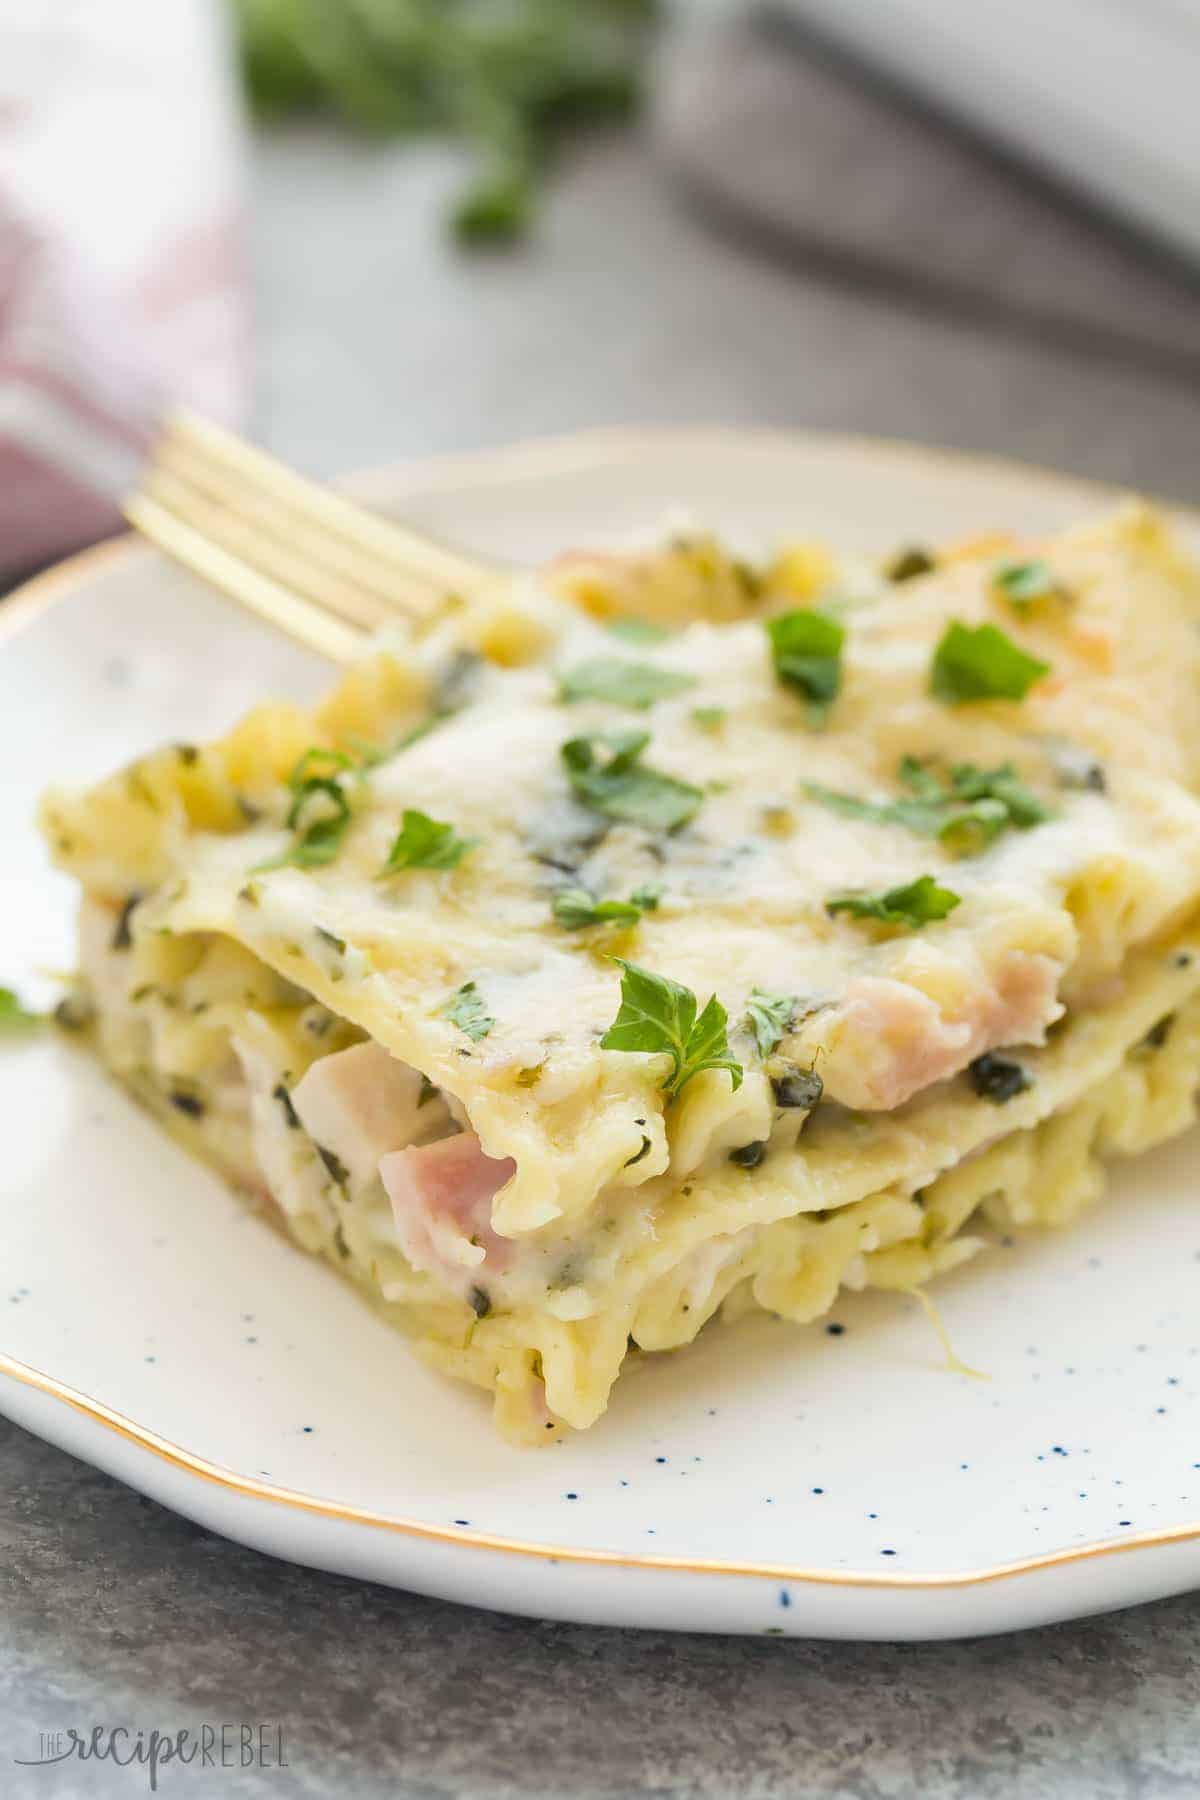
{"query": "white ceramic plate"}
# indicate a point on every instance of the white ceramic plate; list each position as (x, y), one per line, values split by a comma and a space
(770, 1479)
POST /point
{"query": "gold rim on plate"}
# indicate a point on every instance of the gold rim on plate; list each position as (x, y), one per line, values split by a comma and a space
(36, 596)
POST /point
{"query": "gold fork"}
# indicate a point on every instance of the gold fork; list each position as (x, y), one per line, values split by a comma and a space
(320, 568)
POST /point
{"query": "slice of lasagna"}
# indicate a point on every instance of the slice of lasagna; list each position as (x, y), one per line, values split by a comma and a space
(673, 937)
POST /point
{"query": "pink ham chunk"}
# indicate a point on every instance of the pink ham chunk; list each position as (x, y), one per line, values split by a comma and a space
(889, 1040)
(361, 1102)
(441, 1197)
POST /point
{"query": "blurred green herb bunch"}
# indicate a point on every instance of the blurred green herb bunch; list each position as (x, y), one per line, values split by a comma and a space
(507, 78)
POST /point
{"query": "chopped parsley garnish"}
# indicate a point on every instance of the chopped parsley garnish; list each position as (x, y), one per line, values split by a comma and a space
(981, 662)
(769, 1017)
(621, 683)
(14, 1016)
(966, 811)
(906, 565)
(658, 1015)
(320, 810)
(576, 907)
(806, 648)
(996, 1079)
(639, 631)
(607, 774)
(709, 718)
(1022, 584)
(917, 904)
(467, 1009)
(425, 843)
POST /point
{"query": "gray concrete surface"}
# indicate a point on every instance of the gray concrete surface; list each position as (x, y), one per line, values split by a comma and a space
(374, 338)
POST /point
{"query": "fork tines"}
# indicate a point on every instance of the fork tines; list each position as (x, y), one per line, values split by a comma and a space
(322, 569)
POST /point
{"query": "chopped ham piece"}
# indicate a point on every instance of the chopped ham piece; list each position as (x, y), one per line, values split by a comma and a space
(441, 1196)
(889, 1039)
(360, 1103)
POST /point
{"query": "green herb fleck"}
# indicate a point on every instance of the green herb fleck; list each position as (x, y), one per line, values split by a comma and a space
(998, 1080)
(122, 936)
(981, 662)
(749, 1156)
(806, 648)
(639, 631)
(1022, 584)
(709, 718)
(658, 1015)
(797, 1088)
(914, 905)
(13, 1015)
(291, 1116)
(769, 1017)
(335, 1167)
(631, 1161)
(966, 811)
(907, 564)
(621, 683)
(467, 1009)
(319, 813)
(607, 773)
(425, 843)
(576, 907)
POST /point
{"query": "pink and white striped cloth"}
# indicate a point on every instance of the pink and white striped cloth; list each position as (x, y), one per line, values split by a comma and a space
(121, 267)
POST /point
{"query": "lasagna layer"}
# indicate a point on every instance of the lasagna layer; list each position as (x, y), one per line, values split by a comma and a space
(415, 968)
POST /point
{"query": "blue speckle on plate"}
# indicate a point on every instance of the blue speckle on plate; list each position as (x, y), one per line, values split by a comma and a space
(785, 1599)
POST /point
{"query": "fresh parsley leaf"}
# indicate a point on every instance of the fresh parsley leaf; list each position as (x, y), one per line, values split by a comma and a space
(915, 905)
(981, 662)
(769, 1017)
(1003, 784)
(425, 843)
(806, 648)
(320, 810)
(648, 895)
(709, 718)
(658, 1015)
(607, 774)
(622, 683)
(1024, 583)
(13, 1016)
(576, 907)
(467, 1009)
(639, 631)
(966, 812)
